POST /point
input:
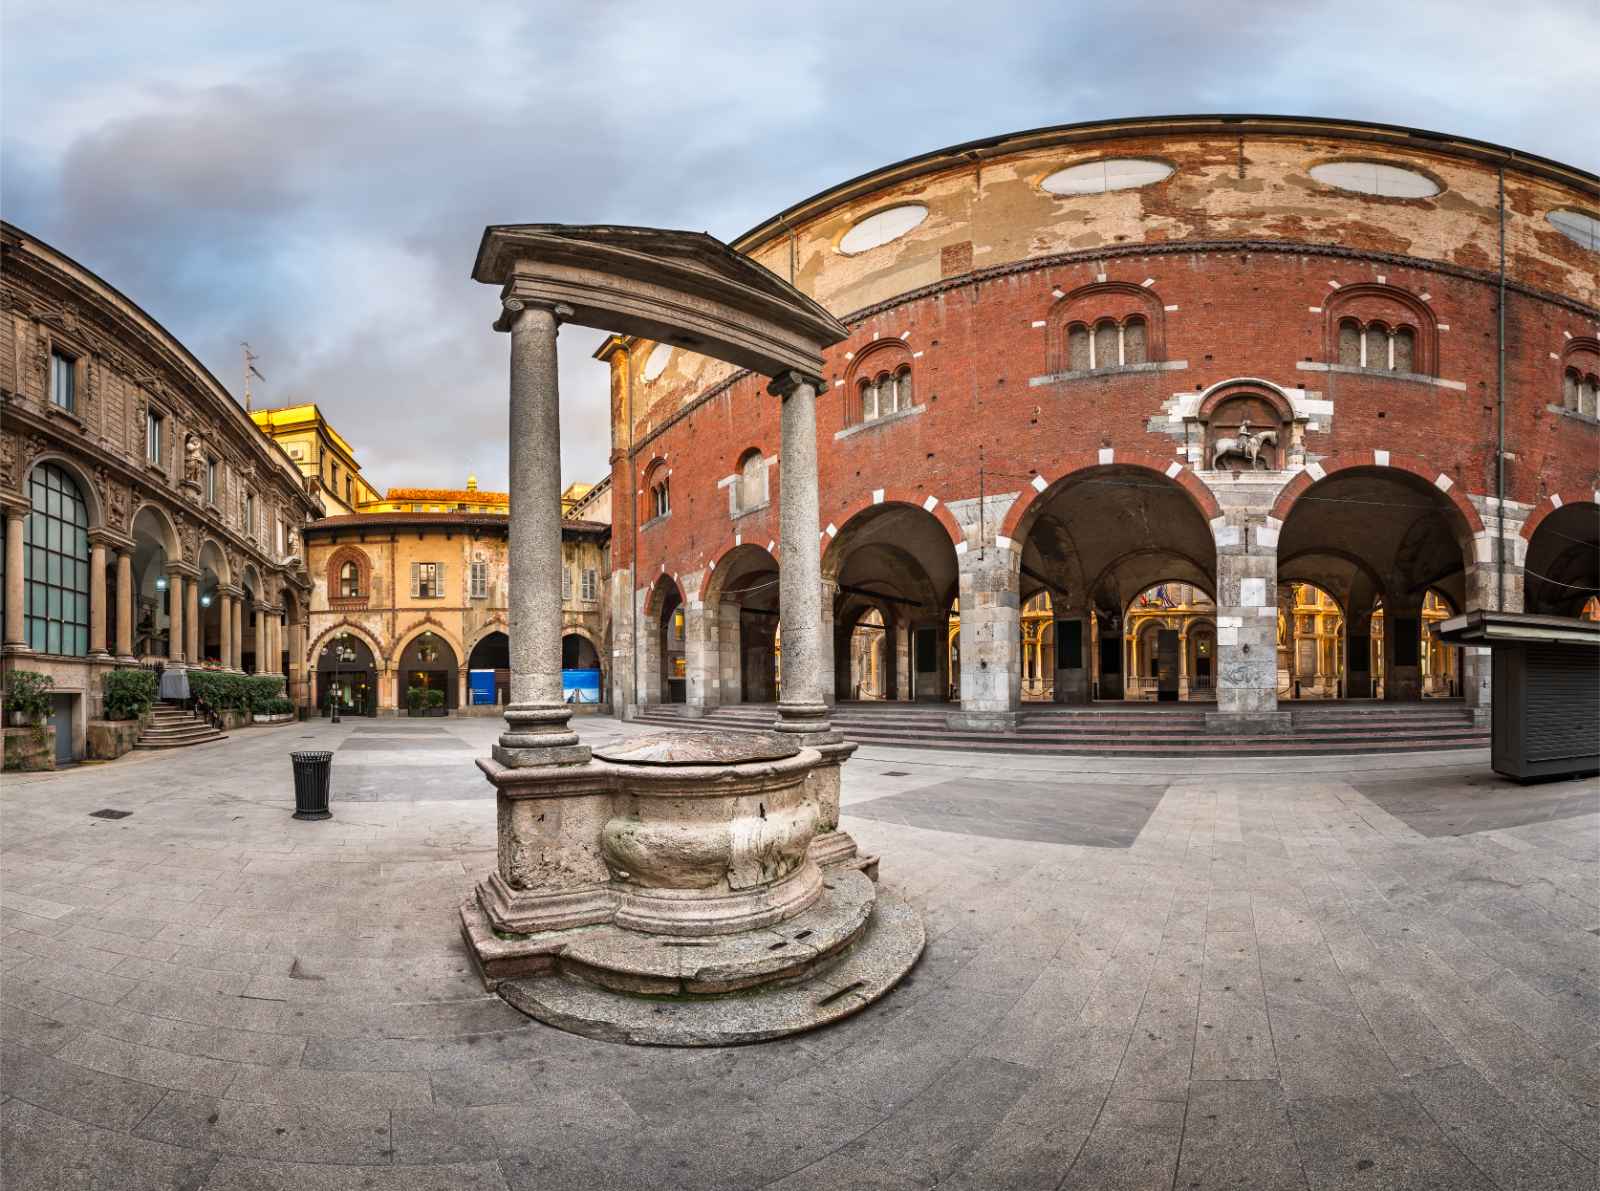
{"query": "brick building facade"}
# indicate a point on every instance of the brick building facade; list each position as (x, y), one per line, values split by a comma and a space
(1229, 352)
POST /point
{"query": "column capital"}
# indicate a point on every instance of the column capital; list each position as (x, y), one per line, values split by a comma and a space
(511, 307)
(186, 569)
(788, 381)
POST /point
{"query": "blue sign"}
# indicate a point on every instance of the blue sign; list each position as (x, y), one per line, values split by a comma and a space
(580, 686)
(480, 687)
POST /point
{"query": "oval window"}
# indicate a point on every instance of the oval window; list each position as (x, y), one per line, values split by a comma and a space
(882, 227)
(1581, 229)
(656, 363)
(1112, 173)
(1374, 177)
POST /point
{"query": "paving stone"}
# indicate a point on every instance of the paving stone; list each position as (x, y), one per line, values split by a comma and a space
(1133, 1146)
(1386, 1142)
(1237, 1134)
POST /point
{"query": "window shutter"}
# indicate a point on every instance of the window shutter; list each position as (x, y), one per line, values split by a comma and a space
(416, 580)
(438, 579)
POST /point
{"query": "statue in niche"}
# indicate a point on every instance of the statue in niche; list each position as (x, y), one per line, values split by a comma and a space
(193, 460)
(1246, 445)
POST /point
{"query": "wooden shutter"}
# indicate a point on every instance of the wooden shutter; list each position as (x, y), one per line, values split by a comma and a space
(438, 579)
(416, 580)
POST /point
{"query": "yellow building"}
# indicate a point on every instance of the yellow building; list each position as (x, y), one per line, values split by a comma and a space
(408, 599)
(321, 453)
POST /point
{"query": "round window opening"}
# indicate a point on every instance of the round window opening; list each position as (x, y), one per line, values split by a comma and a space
(1581, 229)
(879, 229)
(1111, 173)
(656, 363)
(1374, 177)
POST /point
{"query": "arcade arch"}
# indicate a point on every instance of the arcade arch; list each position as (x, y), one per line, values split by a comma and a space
(1562, 564)
(1372, 536)
(347, 674)
(741, 627)
(1097, 539)
(896, 562)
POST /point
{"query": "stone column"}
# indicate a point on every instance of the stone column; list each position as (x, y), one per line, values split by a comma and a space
(16, 633)
(729, 654)
(258, 635)
(1402, 650)
(295, 684)
(702, 659)
(803, 705)
(537, 730)
(97, 599)
(191, 619)
(125, 605)
(175, 616)
(991, 639)
(1247, 627)
(902, 660)
(1358, 654)
(225, 615)
(236, 662)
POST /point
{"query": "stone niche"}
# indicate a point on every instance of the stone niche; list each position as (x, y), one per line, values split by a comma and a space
(1246, 427)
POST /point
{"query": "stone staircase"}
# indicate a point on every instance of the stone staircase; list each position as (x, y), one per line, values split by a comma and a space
(1133, 729)
(171, 727)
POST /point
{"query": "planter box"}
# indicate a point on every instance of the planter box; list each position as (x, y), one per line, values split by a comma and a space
(285, 718)
(106, 740)
(233, 720)
(416, 713)
(30, 749)
(438, 711)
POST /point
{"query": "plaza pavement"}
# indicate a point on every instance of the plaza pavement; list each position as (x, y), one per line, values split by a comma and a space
(1328, 973)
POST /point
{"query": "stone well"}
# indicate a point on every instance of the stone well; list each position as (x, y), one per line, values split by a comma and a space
(691, 888)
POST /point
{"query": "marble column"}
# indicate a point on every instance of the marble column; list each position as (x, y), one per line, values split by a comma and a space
(802, 707)
(191, 619)
(97, 599)
(236, 661)
(537, 729)
(225, 645)
(258, 635)
(174, 616)
(991, 640)
(125, 605)
(16, 634)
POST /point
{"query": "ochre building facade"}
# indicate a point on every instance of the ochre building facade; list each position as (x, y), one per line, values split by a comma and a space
(1247, 355)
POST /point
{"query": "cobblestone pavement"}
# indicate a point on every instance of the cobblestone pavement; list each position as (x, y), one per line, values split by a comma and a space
(1364, 974)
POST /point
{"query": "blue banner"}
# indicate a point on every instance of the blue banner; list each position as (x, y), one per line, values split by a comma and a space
(580, 686)
(480, 687)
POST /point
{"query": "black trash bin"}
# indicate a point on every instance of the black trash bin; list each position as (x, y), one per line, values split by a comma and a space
(311, 770)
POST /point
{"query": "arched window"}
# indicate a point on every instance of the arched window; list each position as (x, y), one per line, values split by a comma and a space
(1106, 354)
(349, 581)
(1079, 348)
(1350, 343)
(752, 481)
(1135, 343)
(56, 564)
(660, 498)
(1404, 341)
(1571, 383)
(1376, 354)
(1377, 347)
(881, 383)
(1580, 393)
(903, 398)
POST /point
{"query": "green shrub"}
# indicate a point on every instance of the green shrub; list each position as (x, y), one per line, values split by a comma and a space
(435, 699)
(261, 690)
(278, 706)
(417, 698)
(28, 693)
(128, 693)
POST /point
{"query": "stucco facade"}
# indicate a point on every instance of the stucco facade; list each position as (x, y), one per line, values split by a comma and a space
(147, 520)
(413, 594)
(1230, 352)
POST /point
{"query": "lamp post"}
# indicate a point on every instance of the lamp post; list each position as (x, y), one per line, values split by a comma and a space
(337, 646)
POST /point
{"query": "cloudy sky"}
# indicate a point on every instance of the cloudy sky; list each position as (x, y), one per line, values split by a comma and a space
(315, 177)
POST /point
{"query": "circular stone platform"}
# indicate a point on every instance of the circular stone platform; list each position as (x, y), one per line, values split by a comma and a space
(834, 959)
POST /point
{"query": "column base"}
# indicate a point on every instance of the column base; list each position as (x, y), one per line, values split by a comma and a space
(808, 723)
(1248, 723)
(537, 734)
(982, 721)
(15, 648)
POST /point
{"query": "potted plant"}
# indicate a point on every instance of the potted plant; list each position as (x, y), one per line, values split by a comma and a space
(436, 703)
(417, 701)
(28, 697)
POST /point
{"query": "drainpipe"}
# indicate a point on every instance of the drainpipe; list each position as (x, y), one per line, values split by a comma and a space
(1500, 415)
